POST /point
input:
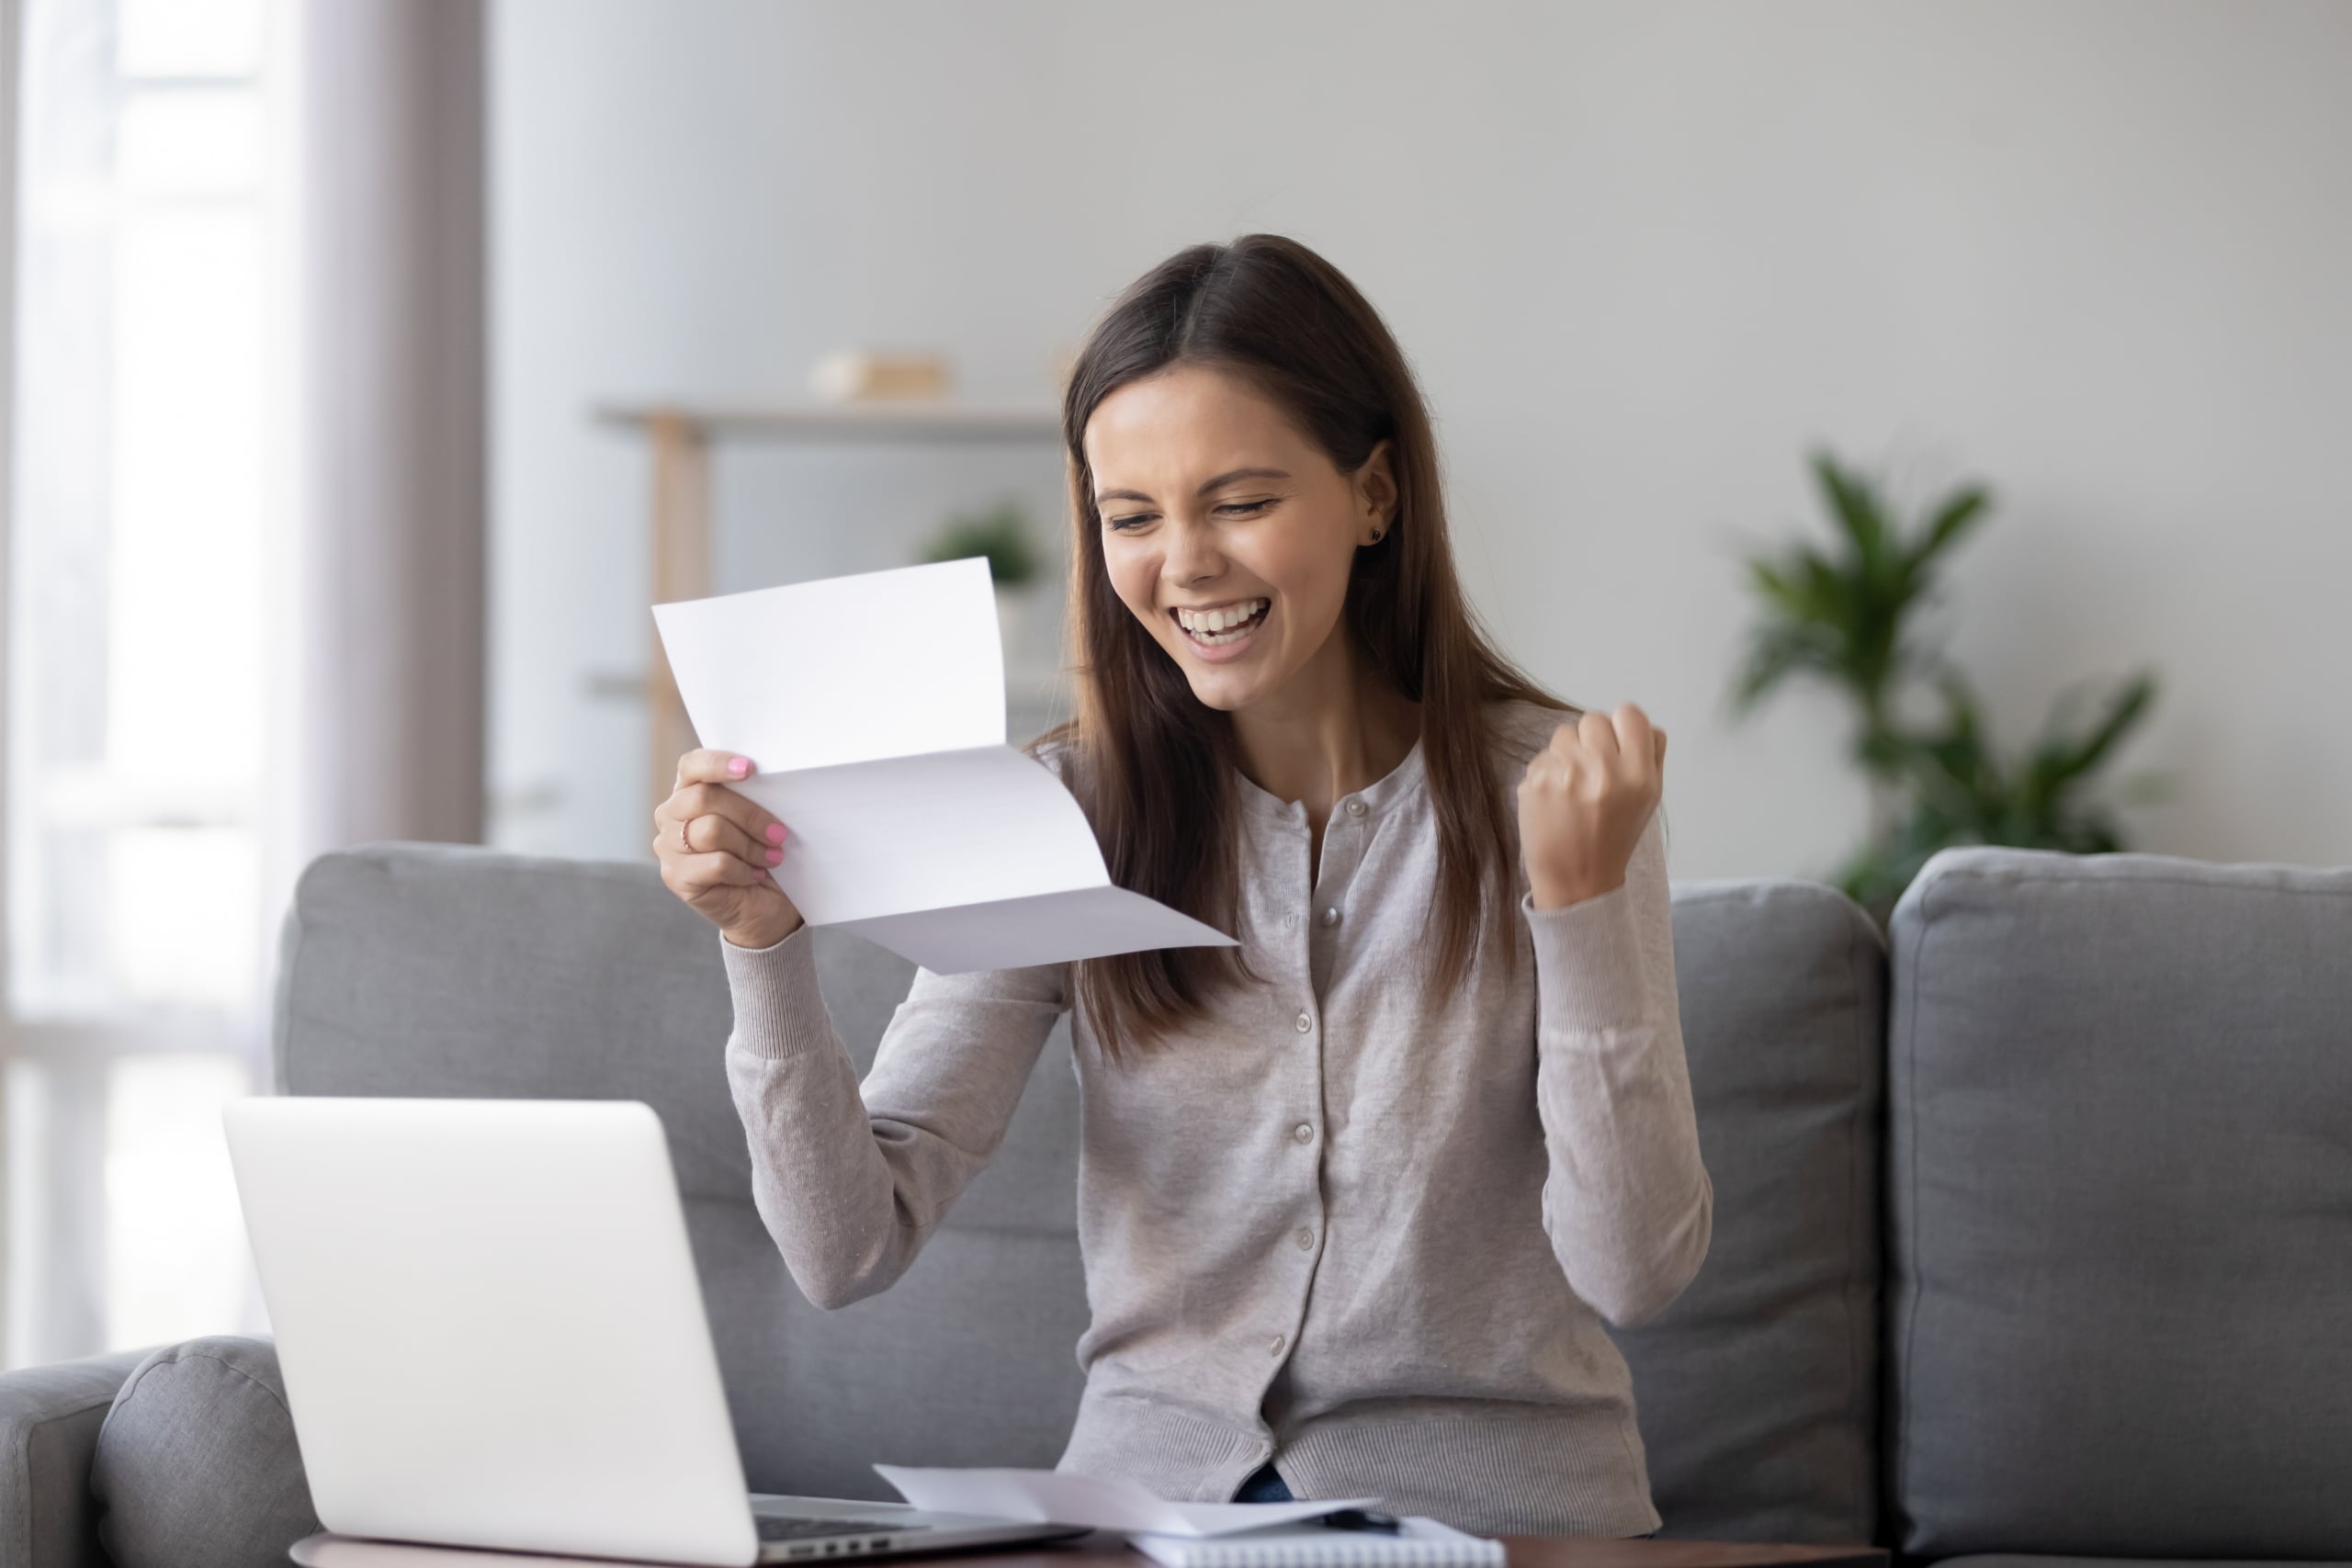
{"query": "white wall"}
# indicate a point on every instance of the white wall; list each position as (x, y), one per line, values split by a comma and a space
(1643, 255)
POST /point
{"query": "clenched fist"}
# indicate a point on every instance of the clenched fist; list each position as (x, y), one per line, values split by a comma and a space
(1583, 805)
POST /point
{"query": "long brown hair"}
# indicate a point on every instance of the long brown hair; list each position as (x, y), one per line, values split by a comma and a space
(1151, 764)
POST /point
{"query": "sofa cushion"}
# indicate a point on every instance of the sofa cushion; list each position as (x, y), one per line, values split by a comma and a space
(196, 1465)
(50, 1419)
(2120, 1119)
(1758, 1390)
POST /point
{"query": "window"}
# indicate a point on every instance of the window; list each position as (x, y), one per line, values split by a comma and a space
(140, 697)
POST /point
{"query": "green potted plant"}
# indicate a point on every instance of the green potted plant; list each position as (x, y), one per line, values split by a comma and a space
(1847, 614)
(1002, 535)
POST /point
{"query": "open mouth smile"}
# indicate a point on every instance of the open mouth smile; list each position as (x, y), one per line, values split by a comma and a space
(1224, 629)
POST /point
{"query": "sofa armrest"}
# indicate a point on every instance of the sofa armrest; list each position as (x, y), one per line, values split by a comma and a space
(50, 1418)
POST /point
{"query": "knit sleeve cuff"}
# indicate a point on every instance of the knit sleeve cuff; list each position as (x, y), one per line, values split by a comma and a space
(778, 1009)
(1591, 977)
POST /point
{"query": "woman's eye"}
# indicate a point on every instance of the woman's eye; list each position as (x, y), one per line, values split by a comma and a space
(1231, 509)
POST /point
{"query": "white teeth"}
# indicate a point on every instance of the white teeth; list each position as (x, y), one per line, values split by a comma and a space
(1207, 624)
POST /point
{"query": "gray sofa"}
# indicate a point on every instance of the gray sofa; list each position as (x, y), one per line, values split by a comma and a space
(2033, 1235)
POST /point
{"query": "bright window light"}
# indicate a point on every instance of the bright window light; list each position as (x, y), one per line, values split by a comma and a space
(138, 696)
(177, 1264)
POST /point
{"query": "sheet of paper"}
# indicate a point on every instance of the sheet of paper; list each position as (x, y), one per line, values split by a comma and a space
(1052, 1496)
(844, 669)
(873, 708)
(1053, 928)
(925, 832)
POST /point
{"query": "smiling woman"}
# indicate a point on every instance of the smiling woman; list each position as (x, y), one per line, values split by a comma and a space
(1245, 436)
(1290, 529)
(1357, 1196)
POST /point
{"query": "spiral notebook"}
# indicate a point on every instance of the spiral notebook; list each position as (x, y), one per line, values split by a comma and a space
(1418, 1543)
(1195, 1535)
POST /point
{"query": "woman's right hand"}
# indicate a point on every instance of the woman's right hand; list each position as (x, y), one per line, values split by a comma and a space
(716, 848)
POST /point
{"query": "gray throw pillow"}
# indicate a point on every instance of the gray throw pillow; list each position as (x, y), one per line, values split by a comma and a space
(196, 1465)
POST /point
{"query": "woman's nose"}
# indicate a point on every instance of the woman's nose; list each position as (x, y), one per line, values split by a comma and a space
(1190, 556)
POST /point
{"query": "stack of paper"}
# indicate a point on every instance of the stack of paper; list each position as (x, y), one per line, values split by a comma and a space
(873, 707)
(1059, 1497)
(1417, 1543)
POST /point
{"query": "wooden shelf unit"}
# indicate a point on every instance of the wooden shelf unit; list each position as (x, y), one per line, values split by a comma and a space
(681, 436)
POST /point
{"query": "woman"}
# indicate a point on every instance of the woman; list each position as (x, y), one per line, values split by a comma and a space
(1355, 1197)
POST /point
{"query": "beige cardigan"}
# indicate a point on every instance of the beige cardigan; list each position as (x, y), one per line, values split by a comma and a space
(1364, 1229)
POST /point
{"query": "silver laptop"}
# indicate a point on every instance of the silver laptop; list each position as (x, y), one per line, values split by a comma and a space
(492, 1335)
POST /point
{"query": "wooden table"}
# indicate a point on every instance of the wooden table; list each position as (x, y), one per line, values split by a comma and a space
(1105, 1549)
(1102, 1550)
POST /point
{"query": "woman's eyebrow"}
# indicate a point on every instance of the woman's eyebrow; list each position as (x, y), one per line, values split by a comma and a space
(1224, 478)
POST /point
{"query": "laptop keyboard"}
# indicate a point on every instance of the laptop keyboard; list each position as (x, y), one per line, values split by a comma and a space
(773, 1527)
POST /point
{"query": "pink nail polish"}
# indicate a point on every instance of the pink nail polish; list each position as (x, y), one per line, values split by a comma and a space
(775, 832)
(759, 871)
(738, 766)
(775, 856)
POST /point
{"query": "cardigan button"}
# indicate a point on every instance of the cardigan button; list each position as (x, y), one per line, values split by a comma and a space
(1274, 1346)
(1356, 807)
(1305, 1023)
(1304, 1133)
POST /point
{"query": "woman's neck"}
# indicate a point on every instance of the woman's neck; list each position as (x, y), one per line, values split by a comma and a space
(1334, 729)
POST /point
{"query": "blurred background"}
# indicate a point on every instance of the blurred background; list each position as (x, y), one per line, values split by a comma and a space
(1965, 387)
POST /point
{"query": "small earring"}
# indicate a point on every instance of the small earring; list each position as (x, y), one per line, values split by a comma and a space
(1377, 535)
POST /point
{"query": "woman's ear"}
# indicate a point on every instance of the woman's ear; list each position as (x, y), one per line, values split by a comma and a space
(1376, 487)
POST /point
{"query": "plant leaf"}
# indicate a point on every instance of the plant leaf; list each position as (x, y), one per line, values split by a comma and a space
(1960, 511)
(1852, 504)
(2130, 701)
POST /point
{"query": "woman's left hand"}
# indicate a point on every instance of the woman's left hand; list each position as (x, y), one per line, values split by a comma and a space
(1584, 802)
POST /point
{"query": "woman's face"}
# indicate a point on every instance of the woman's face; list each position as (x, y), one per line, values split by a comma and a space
(1227, 531)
